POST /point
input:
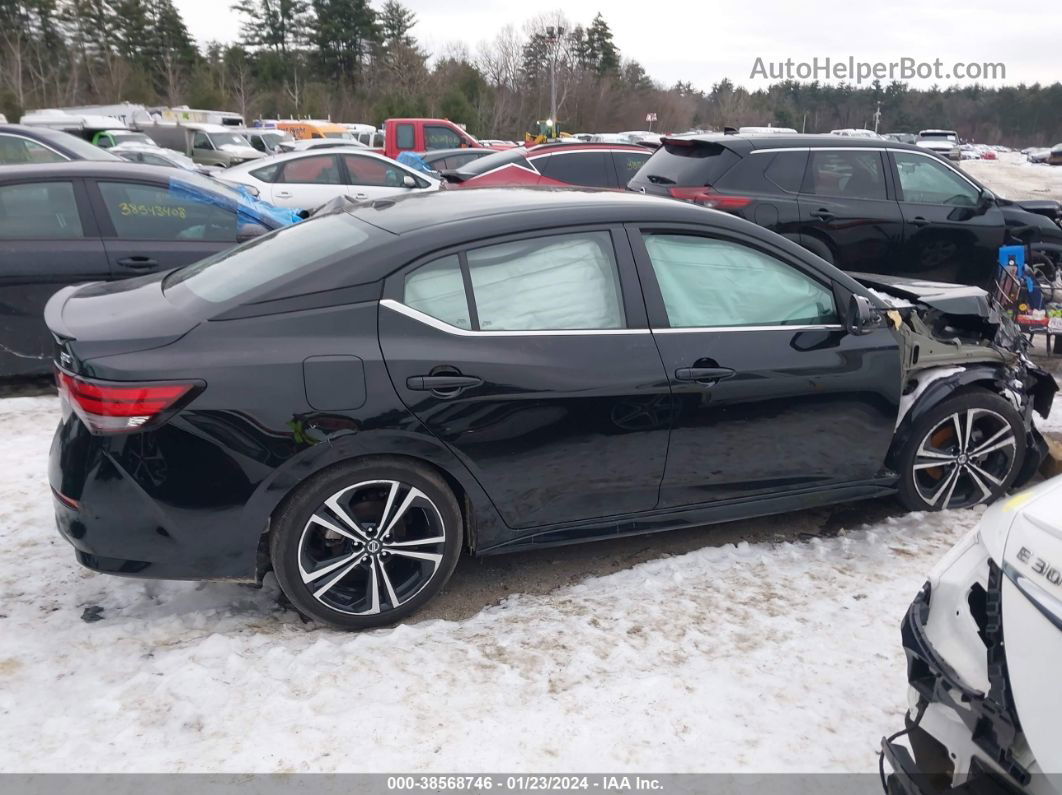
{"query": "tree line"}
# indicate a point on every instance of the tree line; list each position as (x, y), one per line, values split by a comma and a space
(353, 60)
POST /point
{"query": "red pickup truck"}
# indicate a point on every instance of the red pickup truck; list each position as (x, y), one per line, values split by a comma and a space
(423, 135)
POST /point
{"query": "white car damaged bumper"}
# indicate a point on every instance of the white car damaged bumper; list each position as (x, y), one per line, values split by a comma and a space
(983, 640)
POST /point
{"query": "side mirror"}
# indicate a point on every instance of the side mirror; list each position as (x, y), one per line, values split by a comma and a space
(408, 181)
(861, 315)
(250, 231)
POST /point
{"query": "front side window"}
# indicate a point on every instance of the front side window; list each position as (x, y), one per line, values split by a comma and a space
(708, 283)
(436, 137)
(153, 212)
(925, 181)
(200, 141)
(575, 168)
(39, 210)
(847, 174)
(15, 151)
(551, 283)
(313, 170)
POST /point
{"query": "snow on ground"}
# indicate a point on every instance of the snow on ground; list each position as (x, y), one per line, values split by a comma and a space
(1012, 176)
(762, 657)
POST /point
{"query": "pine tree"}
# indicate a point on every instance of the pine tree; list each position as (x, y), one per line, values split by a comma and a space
(277, 25)
(603, 54)
(395, 23)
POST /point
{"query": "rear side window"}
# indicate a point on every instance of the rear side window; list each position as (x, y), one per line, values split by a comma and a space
(404, 136)
(267, 173)
(153, 212)
(556, 282)
(851, 174)
(239, 270)
(438, 289)
(588, 169)
(45, 210)
(627, 164)
(692, 163)
(786, 170)
(313, 170)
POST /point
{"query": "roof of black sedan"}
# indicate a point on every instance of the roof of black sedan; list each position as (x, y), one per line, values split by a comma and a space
(85, 168)
(571, 205)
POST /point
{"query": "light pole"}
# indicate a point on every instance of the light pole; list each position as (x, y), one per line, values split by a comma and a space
(553, 36)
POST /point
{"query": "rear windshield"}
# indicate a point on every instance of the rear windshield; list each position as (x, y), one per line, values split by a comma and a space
(490, 162)
(301, 247)
(687, 163)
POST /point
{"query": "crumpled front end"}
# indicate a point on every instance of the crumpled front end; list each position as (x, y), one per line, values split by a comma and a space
(964, 729)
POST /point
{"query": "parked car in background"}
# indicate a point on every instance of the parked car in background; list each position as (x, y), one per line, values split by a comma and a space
(1054, 157)
(901, 137)
(424, 135)
(366, 134)
(209, 144)
(942, 142)
(558, 164)
(307, 129)
(20, 144)
(863, 205)
(69, 222)
(157, 156)
(854, 132)
(109, 139)
(266, 140)
(440, 160)
(983, 640)
(317, 143)
(306, 180)
(399, 381)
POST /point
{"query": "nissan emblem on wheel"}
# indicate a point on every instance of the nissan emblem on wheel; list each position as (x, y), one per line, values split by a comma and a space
(355, 401)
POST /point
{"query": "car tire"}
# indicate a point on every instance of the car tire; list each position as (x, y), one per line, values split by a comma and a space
(366, 544)
(819, 249)
(977, 437)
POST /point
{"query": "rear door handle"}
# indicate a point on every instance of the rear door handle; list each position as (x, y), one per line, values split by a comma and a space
(283, 194)
(138, 262)
(703, 375)
(919, 221)
(823, 215)
(441, 383)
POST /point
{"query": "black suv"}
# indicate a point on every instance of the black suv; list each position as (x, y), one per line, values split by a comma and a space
(866, 205)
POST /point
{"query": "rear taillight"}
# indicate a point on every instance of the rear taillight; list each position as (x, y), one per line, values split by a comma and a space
(709, 198)
(118, 406)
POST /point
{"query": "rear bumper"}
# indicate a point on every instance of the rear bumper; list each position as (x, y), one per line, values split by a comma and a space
(127, 510)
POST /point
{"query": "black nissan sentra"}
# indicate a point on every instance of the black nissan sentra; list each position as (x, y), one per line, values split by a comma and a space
(354, 400)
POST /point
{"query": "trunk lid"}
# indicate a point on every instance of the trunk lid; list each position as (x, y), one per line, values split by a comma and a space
(105, 318)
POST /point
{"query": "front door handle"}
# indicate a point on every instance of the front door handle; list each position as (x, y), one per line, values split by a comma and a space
(138, 262)
(703, 375)
(441, 383)
(283, 194)
(361, 196)
(919, 221)
(823, 215)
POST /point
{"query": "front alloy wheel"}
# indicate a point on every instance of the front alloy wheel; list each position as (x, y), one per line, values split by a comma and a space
(966, 451)
(357, 551)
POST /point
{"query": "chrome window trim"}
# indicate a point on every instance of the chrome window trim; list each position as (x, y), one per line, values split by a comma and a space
(776, 327)
(440, 325)
(435, 323)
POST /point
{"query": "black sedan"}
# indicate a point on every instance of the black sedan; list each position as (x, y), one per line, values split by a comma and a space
(353, 400)
(21, 144)
(81, 221)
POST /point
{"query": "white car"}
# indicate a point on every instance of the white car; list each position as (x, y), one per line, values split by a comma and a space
(983, 711)
(317, 143)
(306, 180)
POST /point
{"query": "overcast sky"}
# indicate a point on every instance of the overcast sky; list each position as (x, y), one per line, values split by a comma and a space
(702, 41)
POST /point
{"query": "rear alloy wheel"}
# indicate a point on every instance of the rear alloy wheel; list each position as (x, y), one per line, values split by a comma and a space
(966, 451)
(367, 545)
